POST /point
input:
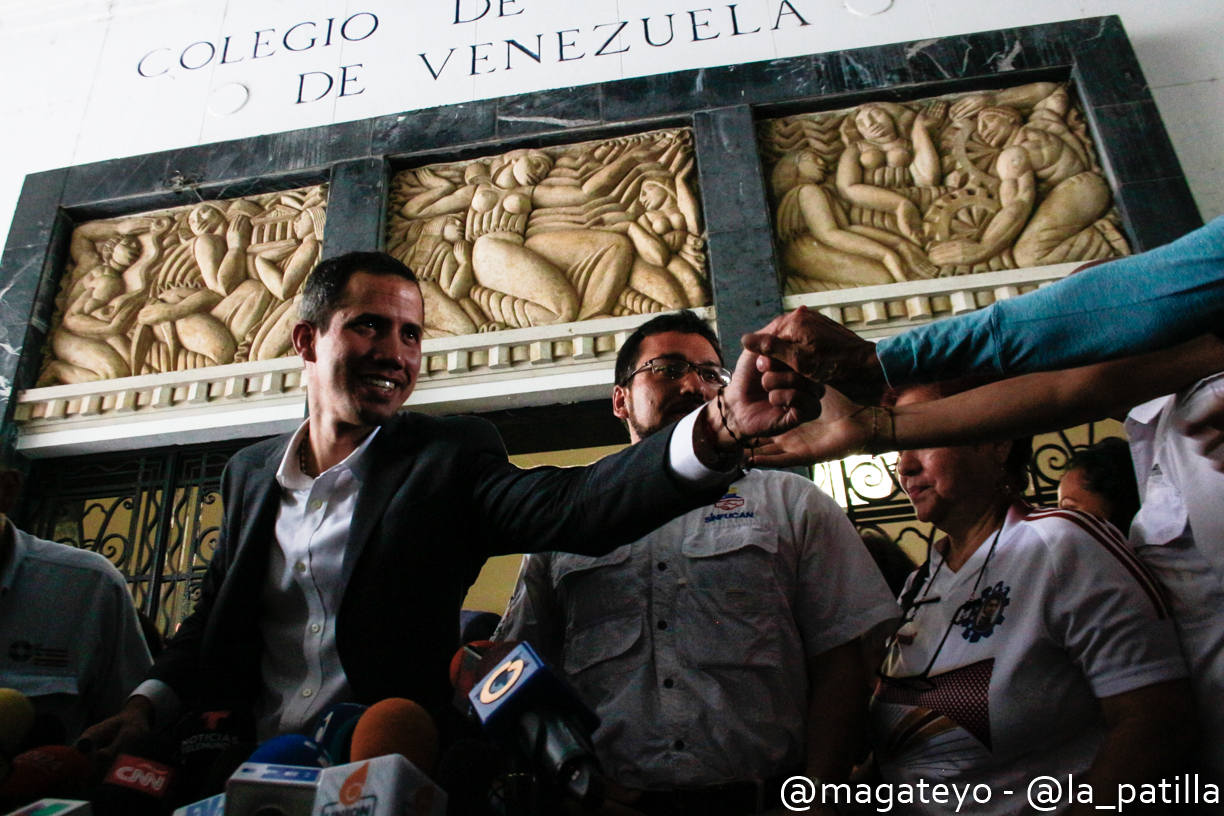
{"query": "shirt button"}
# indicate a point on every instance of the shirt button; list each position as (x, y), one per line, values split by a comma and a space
(315, 504)
(662, 567)
(299, 566)
(668, 683)
(662, 624)
(314, 627)
(678, 745)
(306, 692)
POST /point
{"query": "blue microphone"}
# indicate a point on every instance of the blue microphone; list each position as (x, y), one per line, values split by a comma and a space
(291, 749)
(529, 711)
(334, 730)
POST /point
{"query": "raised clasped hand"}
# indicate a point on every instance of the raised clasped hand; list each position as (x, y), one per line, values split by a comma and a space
(766, 397)
(825, 351)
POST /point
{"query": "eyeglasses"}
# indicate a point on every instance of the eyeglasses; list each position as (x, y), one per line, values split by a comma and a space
(675, 369)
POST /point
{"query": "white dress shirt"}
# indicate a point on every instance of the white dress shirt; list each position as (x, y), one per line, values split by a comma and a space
(301, 596)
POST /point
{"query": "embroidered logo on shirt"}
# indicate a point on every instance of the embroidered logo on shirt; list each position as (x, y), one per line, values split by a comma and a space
(730, 502)
(982, 616)
(22, 651)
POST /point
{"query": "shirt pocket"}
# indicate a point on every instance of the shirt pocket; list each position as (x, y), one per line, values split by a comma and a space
(603, 611)
(608, 643)
(729, 609)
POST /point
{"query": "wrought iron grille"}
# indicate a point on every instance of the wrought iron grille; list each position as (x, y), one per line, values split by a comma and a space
(116, 505)
(866, 486)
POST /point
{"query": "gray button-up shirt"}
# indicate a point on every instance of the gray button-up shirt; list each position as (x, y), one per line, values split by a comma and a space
(692, 643)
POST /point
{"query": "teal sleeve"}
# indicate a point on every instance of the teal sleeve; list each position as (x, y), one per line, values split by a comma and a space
(1129, 306)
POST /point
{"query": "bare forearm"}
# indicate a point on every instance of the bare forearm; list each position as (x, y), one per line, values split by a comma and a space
(1037, 403)
(1150, 731)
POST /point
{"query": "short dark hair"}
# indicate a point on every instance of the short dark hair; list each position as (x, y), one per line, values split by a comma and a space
(685, 322)
(323, 291)
(1109, 471)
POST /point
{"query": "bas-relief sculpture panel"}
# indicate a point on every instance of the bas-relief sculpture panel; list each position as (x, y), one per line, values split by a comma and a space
(954, 185)
(184, 288)
(538, 237)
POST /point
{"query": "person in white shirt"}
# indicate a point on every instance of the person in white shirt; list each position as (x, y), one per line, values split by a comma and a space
(347, 546)
(69, 636)
(1034, 643)
(721, 650)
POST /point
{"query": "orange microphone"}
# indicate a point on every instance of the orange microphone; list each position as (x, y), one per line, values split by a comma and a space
(396, 726)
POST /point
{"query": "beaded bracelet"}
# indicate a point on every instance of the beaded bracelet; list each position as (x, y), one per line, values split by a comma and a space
(748, 443)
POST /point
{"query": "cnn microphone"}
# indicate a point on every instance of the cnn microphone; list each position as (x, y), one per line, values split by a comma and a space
(139, 781)
(528, 710)
(396, 726)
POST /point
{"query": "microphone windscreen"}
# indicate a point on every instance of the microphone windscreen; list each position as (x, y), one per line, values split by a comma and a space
(16, 717)
(396, 726)
(51, 771)
(46, 729)
(291, 749)
(200, 738)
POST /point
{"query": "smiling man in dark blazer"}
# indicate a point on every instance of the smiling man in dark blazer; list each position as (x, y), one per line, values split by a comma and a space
(347, 547)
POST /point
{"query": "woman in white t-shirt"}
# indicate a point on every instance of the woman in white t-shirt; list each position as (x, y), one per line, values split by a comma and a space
(1033, 644)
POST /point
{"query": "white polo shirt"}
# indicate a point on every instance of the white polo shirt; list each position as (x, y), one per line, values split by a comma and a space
(1066, 614)
(69, 636)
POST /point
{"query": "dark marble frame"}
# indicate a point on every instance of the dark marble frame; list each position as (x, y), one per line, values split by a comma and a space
(721, 104)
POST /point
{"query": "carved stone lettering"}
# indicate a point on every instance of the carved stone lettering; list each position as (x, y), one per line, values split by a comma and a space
(205, 285)
(960, 184)
(538, 237)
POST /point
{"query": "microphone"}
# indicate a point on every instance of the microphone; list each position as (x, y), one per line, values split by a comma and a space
(396, 726)
(50, 771)
(205, 739)
(139, 781)
(334, 730)
(465, 667)
(291, 749)
(16, 717)
(58, 807)
(383, 786)
(528, 710)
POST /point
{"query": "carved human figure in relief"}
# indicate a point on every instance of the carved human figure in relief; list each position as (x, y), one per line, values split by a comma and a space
(821, 248)
(889, 153)
(1038, 159)
(196, 286)
(670, 253)
(111, 262)
(529, 239)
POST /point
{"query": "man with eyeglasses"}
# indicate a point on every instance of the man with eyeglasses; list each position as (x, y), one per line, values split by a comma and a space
(721, 651)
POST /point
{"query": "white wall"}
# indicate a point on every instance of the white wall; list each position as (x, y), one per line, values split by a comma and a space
(73, 93)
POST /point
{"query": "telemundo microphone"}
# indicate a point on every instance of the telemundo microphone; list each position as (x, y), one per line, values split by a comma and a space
(529, 711)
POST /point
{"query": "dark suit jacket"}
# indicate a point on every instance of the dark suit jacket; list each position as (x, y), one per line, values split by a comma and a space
(438, 499)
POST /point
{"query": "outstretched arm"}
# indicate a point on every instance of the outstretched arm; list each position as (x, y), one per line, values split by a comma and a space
(1021, 406)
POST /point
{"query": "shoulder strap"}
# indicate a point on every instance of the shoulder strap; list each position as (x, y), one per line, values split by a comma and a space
(920, 578)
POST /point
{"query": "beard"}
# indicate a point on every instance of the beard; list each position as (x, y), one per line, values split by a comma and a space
(667, 413)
